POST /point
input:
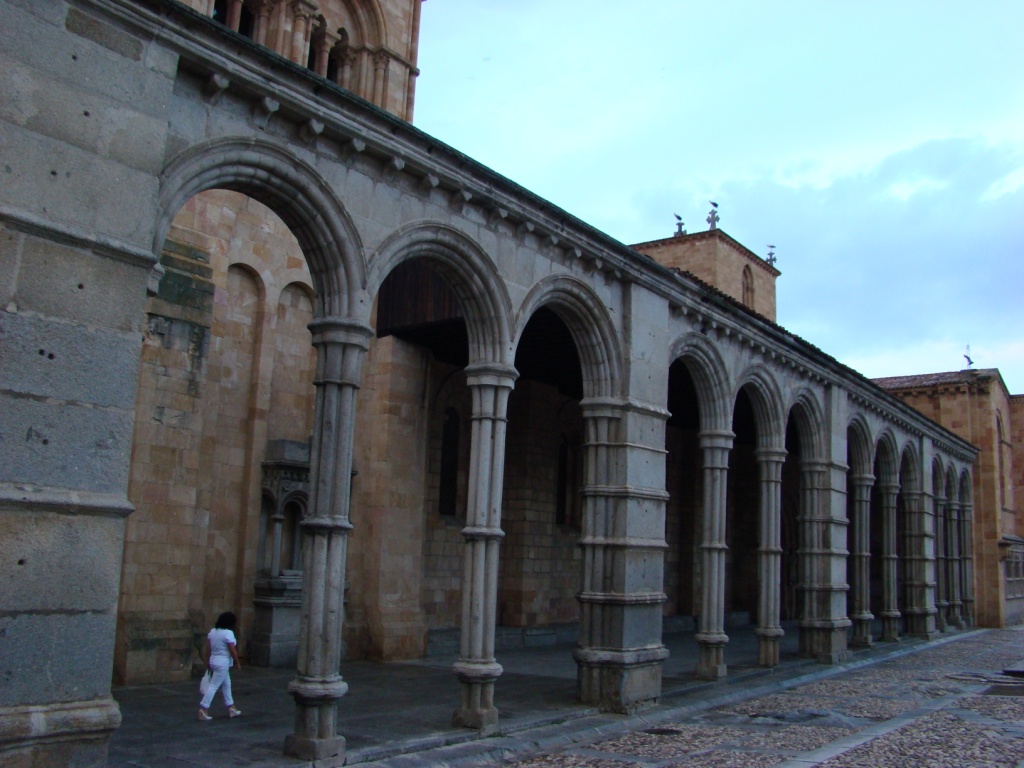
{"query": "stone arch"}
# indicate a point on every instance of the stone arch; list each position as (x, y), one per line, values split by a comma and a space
(469, 272)
(809, 421)
(938, 478)
(710, 378)
(910, 469)
(296, 193)
(859, 445)
(887, 458)
(369, 28)
(591, 327)
(965, 486)
(766, 399)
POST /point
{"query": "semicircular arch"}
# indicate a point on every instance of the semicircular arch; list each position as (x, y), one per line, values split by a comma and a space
(887, 457)
(809, 420)
(293, 190)
(469, 272)
(710, 378)
(766, 400)
(589, 324)
(859, 446)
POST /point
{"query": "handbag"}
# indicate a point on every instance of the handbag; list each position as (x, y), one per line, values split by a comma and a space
(204, 683)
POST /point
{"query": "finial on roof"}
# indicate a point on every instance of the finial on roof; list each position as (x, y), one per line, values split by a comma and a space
(679, 225)
(771, 256)
(713, 216)
(967, 356)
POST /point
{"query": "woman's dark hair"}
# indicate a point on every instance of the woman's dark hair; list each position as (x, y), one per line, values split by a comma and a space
(225, 621)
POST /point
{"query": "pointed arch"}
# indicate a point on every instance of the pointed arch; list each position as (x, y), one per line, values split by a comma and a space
(293, 190)
(766, 399)
(710, 378)
(591, 327)
(469, 272)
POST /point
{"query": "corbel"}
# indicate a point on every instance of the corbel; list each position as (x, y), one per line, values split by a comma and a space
(352, 147)
(496, 215)
(459, 199)
(310, 130)
(263, 109)
(429, 182)
(393, 167)
(215, 87)
(525, 228)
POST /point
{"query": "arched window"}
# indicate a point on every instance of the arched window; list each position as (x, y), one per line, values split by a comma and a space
(748, 287)
(448, 493)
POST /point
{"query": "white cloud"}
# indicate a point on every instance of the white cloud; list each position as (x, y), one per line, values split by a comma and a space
(904, 190)
(1007, 185)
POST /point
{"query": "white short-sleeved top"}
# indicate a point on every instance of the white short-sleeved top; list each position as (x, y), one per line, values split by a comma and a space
(220, 639)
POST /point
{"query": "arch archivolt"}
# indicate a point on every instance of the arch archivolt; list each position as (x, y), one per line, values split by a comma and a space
(767, 401)
(887, 457)
(470, 273)
(293, 190)
(965, 486)
(710, 378)
(589, 323)
(808, 412)
(861, 447)
(910, 467)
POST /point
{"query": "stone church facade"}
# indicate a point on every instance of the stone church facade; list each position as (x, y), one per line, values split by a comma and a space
(267, 347)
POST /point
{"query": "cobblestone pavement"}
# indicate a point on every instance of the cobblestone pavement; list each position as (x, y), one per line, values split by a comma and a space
(948, 705)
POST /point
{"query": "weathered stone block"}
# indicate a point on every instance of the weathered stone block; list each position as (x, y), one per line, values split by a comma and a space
(68, 362)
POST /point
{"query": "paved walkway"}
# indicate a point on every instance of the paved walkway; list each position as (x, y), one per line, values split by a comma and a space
(802, 714)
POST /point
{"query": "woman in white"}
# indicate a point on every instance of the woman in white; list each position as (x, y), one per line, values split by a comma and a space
(220, 653)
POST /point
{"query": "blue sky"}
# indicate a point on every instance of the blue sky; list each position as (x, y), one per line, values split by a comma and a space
(878, 146)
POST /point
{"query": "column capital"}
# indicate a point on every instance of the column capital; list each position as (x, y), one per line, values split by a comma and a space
(716, 438)
(491, 374)
(340, 330)
(865, 479)
(771, 455)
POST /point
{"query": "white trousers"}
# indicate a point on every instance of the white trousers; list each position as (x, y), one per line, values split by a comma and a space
(221, 679)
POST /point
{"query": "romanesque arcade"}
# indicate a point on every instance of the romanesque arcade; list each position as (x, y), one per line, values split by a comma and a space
(510, 423)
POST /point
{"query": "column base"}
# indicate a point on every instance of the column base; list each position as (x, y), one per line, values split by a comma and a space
(891, 629)
(323, 753)
(768, 651)
(711, 661)
(622, 682)
(826, 645)
(476, 709)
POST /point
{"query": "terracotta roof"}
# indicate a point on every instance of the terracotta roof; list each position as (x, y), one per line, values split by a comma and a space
(966, 376)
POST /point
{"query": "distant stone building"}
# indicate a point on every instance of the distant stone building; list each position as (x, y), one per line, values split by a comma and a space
(977, 406)
(267, 347)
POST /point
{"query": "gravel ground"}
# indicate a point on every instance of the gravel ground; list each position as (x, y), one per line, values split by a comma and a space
(929, 709)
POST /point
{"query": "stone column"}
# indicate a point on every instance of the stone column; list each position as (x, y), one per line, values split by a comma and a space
(262, 9)
(941, 545)
(967, 563)
(234, 14)
(823, 564)
(323, 42)
(860, 488)
(890, 564)
(381, 60)
(302, 12)
(341, 345)
(953, 564)
(711, 635)
(620, 653)
(275, 552)
(769, 560)
(490, 385)
(919, 550)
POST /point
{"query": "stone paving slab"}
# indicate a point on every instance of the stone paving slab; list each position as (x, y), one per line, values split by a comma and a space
(873, 708)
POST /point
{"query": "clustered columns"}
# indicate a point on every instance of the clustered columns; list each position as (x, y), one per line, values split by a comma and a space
(919, 551)
(340, 345)
(941, 587)
(954, 576)
(769, 561)
(860, 555)
(890, 563)
(824, 624)
(711, 636)
(620, 653)
(967, 563)
(490, 385)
